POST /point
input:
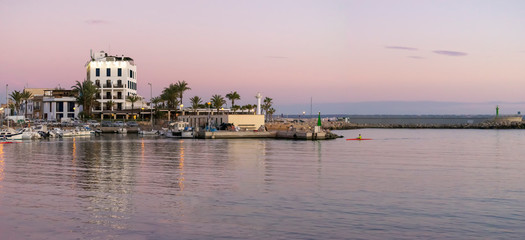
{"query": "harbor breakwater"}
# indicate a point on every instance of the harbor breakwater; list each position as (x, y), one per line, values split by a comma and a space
(405, 121)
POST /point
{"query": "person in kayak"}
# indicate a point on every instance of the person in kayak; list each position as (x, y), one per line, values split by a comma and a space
(360, 136)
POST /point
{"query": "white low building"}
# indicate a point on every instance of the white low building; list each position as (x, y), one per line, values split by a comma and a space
(58, 104)
(241, 121)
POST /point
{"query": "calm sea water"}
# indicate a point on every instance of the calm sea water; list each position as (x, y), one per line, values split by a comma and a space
(404, 184)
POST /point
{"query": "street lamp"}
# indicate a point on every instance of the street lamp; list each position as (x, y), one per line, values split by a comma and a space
(209, 112)
(181, 106)
(151, 103)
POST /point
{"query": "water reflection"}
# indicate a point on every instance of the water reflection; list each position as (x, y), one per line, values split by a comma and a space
(140, 188)
(2, 165)
(181, 166)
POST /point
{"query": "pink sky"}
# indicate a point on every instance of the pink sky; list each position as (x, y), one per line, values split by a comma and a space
(291, 50)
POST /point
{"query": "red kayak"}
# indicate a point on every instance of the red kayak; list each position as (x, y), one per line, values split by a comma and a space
(358, 139)
(5, 142)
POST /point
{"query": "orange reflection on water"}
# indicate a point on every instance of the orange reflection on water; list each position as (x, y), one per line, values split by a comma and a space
(181, 166)
(74, 153)
(143, 148)
(2, 163)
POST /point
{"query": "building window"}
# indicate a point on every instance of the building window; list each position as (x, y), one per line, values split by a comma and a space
(97, 72)
(119, 72)
(60, 106)
(108, 72)
(71, 106)
(130, 74)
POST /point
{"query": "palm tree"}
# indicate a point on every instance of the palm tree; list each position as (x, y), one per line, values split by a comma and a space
(12, 108)
(26, 96)
(232, 96)
(17, 98)
(170, 95)
(156, 101)
(132, 99)
(181, 88)
(86, 96)
(271, 111)
(110, 104)
(267, 104)
(248, 107)
(235, 108)
(196, 102)
(217, 101)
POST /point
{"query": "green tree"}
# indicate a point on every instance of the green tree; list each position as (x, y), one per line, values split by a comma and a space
(271, 111)
(26, 96)
(12, 108)
(16, 96)
(132, 99)
(235, 108)
(196, 102)
(156, 101)
(267, 104)
(217, 101)
(170, 95)
(86, 95)
(232, 96)
(181, 88)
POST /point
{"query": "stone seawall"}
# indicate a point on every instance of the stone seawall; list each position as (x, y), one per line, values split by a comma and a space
(501, 123)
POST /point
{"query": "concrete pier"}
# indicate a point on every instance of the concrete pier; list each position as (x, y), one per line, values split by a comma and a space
(230, 134)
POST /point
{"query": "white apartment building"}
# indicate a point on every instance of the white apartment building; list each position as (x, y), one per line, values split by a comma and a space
(116, 77)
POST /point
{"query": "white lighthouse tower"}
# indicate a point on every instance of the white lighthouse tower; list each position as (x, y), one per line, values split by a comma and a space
(258, 96)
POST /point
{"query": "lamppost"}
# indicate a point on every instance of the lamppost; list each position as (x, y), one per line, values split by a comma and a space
(182, 111)
(151, 103)
(141, 113)
(209, 112)
(304, 113)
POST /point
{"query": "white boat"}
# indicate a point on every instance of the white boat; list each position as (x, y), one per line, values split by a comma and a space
(179, 130)
(77, 132)
(10, 134)
(149, 133)
(30, 134)
(122, 130)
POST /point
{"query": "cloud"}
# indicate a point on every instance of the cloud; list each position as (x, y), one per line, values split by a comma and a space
(96, 22)
(281, 57)
(402, 48)
(450, 53)
(416, 57)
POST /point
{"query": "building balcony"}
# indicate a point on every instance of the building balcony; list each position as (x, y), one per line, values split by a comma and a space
(117, 97)
(118, 86)
(97, 84)
(107, 97)
(107, 85)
